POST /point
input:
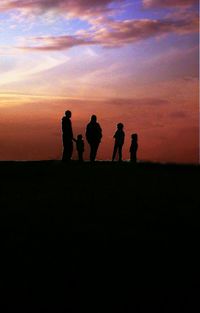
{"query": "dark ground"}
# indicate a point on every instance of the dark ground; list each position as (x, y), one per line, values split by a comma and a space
(99, 238)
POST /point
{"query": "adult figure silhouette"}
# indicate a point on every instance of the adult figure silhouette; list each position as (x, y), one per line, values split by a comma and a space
(93, 136)
(67, 136)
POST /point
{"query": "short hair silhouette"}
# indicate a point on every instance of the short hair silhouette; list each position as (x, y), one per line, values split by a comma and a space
(93, 118)
(134, 136)
(68, 114)
(120, 126)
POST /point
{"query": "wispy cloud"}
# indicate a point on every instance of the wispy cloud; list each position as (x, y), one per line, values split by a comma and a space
(70, 8)
(129, 31)
(26, 68)
(57, 42)
(169, 3)
(115, 34)
(128, 103)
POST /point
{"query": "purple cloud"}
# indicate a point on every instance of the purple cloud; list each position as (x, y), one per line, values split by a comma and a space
(48, 43)
(169, 3)
(71, 8)
(117, 34)
(130, 31)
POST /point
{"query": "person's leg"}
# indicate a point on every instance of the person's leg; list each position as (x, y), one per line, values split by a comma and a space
(64, 154)
(114, 152)
(91, 152)
(71, 149)
(64, 148)
(68, 150)
(120, 153)
(135, 157)
(96, 146)
(80, 156)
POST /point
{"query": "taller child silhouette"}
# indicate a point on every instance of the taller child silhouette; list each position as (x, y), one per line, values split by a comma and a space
(119, 141)
(93, 136)
(67, 136)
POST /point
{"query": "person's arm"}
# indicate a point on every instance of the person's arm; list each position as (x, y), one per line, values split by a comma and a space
(99, 130)
(71, 130)
(87, 133)
(63, 124)
(123, 137)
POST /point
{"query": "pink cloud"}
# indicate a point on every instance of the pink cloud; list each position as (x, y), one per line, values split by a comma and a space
(57, 42)
(72, 8)
(117, 34)
(131, 103)
(169, 3)
(130, 31)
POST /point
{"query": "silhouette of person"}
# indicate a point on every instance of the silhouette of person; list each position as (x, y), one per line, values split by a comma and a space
(119, 141)
(79, 147)
(93, 136)
(67, 136)
(133, 148)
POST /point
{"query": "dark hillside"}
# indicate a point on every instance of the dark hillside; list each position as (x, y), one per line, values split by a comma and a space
(99, 237)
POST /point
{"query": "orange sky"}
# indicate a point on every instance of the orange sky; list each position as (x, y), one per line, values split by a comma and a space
(134, 62)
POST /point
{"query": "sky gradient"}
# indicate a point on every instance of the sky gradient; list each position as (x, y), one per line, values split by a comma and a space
(133, 61)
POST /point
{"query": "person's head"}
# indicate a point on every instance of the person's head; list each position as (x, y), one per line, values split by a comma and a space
(68, 114)
(79, 137)
(93, 118)
(134, 137)
(120, 126)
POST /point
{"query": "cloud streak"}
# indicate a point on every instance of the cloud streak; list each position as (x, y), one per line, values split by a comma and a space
(116, 34)
(70, 8)
(168, 3)
(48, 43)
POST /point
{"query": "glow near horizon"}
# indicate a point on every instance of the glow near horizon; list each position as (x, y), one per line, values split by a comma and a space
(155, 63)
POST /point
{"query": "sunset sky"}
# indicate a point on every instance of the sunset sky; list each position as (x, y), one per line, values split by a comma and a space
(129, 61)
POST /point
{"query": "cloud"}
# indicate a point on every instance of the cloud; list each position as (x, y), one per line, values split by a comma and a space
(70, 8)
(169, 3)
(130, 31)
(116, 34)
(47, 43)
(129, 103)
(22, 69)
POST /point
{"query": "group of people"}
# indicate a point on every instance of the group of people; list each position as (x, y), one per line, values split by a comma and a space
(93, 136)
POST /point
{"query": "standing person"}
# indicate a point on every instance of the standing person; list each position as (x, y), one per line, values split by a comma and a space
(93, 136)
(119, 141)
(79, 147)
(67, 136)
(133, 148)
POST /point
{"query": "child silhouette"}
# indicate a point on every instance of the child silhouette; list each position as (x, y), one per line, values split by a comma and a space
(133, 148)
(119, 141)
(80, 147)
